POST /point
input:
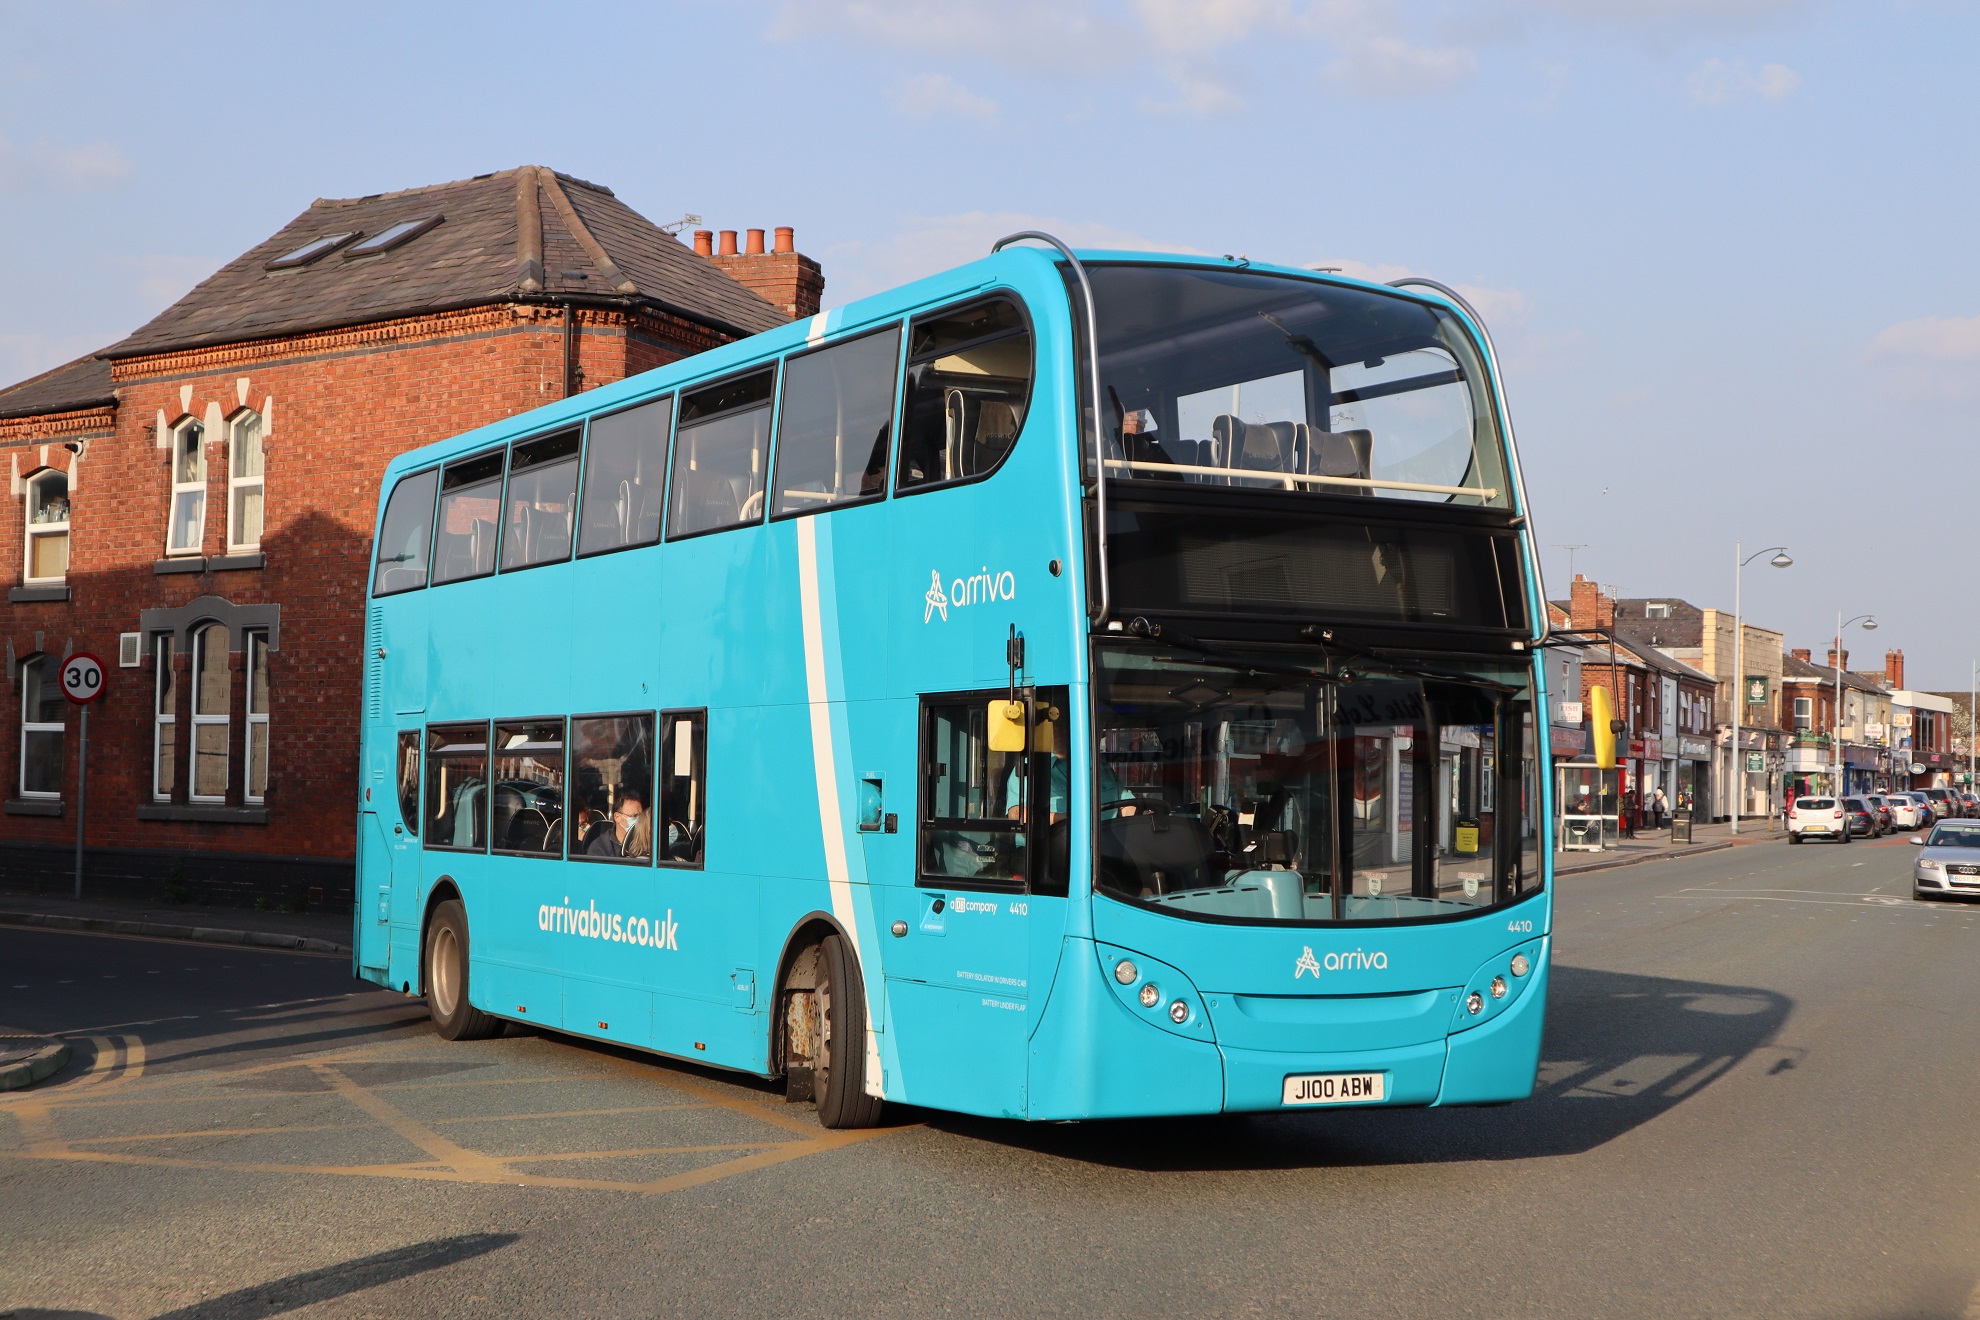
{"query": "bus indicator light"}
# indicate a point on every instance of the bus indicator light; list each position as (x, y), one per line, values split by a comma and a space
(1150, 993)
(1126, 972)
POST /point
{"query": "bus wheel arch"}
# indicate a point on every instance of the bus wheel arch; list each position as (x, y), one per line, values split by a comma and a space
(820, 1024)
(444, 891)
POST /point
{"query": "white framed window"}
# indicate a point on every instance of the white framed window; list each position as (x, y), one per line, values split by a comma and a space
(212, 693)
(47, 526)
(186, 530)
(245, 482)
(255, 782)
(1804, 712)
(44, 721)
(164, 720)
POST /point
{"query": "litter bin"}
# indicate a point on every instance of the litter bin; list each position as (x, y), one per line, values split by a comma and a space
(1681, 827)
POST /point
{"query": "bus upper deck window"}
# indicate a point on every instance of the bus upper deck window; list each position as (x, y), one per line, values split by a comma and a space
(625, 475)
(837, 420)
(470, 507)
(404, 535)
(720, 454)
(542, 492)
(968, 385)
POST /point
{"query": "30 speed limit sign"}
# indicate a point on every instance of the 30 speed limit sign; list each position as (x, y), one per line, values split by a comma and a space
(82, 678)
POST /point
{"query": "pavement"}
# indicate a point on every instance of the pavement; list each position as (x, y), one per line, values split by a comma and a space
(1657, 845)
(314, 932)
(26, 1058)
(1752, 1101)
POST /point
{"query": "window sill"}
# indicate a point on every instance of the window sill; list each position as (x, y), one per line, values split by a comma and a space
(211, 813)
(180, 564)
(33, 807)
(244, 559)
(27, 595)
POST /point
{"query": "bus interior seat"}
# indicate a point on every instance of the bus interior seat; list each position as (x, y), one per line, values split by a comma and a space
(1256, 446)
(1156, 851)
(1339, 453)
(529, 831)
(399, 578)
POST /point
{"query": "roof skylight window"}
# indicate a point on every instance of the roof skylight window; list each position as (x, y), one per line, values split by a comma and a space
(310, 251)
(392, 235)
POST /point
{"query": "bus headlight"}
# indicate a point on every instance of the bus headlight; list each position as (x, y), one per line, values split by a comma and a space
(1474, 1003)
(1149, 995)
(1520, 966)
(1179, 1012)
(1125, 972)
(1498, 987)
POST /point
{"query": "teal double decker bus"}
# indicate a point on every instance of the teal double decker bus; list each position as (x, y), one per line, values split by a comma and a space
(1075, 685)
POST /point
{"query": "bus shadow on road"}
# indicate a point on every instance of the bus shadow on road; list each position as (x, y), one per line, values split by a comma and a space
(1620, 1051)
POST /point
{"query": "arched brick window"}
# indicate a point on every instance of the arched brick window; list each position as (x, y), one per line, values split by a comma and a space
(186, 527)
(244, 481)
(47, 526)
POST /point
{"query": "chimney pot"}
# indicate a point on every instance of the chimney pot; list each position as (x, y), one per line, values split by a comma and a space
(704, 242)
(786, 240)
(728, 245)
(754, 243)
(1801, 653)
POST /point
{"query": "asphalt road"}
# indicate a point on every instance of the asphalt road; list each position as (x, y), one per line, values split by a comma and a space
(1760, 1096)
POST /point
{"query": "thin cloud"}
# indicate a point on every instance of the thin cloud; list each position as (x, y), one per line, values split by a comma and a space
(1930, 338)
(928, 95)
(1721, 82)
(73, 165)
(1391, 66)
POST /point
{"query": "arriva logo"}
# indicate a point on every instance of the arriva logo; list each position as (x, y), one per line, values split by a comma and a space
(981, 588)
(1355, 960)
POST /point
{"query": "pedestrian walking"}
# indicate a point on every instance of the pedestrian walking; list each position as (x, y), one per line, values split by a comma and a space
(1659, 805)
(1630, 805)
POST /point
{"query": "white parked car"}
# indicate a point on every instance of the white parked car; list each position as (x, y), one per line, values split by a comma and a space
(1908, 811)
(1817, 818)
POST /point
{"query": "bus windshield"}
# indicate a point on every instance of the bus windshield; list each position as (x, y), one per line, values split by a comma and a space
(1244, 381)
(1268, 795)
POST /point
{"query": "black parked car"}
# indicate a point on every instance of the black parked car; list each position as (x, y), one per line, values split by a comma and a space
(1861, 819)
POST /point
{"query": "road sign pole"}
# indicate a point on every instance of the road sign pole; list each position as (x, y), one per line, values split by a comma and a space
(82, 791)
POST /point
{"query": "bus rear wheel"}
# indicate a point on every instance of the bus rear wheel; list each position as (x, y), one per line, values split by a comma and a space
(839, 1077)
(447, 978)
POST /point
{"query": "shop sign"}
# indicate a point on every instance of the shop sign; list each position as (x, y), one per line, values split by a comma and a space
(1568, 742)
(1694, 749)
(1756, 763)
(1756, 689)
(1570, 712)
(1653, 749)
(1916, 768)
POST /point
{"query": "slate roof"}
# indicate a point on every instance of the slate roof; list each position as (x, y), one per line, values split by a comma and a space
(526, 234)
(84, 383)
(1794, 667)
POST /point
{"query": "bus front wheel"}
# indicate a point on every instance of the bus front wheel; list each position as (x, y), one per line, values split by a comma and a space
(840, 1077)
(447, 978)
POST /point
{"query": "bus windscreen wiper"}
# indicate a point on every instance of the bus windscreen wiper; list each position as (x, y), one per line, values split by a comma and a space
(1154, 632)
(1405, 667)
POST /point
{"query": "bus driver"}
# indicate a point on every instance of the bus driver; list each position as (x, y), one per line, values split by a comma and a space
(1112, 791)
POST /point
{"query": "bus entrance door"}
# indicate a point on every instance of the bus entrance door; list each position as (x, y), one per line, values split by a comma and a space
(959, 975)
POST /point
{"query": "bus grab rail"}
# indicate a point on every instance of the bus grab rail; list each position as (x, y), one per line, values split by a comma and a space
(1093, 367)
(1266, 474)
(1512, 447)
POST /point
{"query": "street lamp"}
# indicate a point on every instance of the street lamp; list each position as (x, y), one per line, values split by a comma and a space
(1835, 726)
(1736, 781)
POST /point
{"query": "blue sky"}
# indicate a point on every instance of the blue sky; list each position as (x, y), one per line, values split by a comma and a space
(1725, 245)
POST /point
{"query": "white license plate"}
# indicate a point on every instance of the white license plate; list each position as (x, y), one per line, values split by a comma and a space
(1333, 1088)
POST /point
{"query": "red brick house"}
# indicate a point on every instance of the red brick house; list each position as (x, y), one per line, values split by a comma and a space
(194, 504)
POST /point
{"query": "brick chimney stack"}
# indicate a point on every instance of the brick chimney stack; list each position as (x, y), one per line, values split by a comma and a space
(1894, 668)
(1802, 654)
(783, 276)
(1585, 605)
(1832, 659)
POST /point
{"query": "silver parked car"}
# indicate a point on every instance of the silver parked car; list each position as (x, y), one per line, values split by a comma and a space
(1949, 862)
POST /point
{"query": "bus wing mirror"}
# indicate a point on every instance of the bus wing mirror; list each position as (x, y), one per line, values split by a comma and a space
(1041, 732)
(1006, 725)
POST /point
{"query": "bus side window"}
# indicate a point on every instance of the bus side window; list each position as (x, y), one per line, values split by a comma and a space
(404, 535)
(836, 422)
(470, 508)
(457, 787)
(973, 800)
(542, 490)
(720, 451)
(968, 385)
(683, 786)
(610, 793)
(409, 780)
(529, 788)
(625, 477)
